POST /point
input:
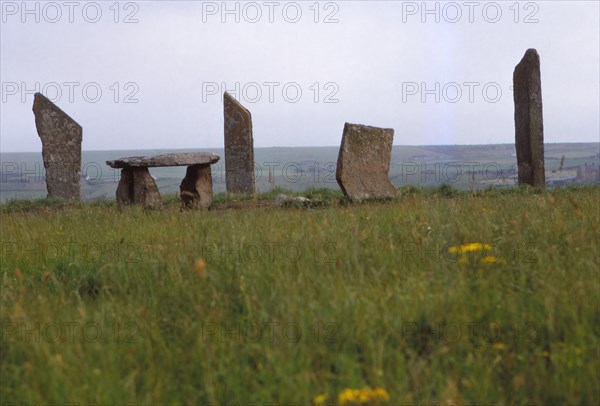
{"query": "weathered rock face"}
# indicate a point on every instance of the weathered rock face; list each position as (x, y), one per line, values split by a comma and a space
(196, 188)
(61, 148)
(239, 147)
(137, 186)
(364, 162)
(529, 126)
(178, 159)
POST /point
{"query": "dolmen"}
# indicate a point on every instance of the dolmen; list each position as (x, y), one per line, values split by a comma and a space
(136, 186)
(364, 162)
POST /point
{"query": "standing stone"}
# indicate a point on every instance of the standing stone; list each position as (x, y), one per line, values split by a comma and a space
(529, 126)
(239, 147)
(61, 148)
(364, 162)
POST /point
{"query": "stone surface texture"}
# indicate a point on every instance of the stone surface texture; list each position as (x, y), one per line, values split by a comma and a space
(61, 148)
(364, 162)
(239, 147)
(136, 186)
(529, 126)
(177, 159)
(196, 189)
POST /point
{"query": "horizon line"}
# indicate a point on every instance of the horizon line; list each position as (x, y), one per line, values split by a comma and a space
(308, 146)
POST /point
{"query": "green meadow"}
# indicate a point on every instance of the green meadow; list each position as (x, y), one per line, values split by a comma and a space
(438, 297)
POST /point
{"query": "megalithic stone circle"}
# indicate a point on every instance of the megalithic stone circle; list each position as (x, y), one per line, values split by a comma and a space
(364, 163)
(239, 147)
(61, 148)
(529, 125)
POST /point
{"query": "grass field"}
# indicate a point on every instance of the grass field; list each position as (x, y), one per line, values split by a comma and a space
(488, 297)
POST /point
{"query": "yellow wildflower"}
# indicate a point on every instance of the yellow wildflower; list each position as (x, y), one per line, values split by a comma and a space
(499, 346)
(469, 247)
(380, 395)
(489, 259)
(348, 396)
(320, 400)
(364, 395)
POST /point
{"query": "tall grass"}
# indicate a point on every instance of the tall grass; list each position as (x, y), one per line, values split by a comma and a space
(112, 306)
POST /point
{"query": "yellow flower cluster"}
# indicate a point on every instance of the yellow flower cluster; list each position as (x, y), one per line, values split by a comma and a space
(364, 396)
(471, 249)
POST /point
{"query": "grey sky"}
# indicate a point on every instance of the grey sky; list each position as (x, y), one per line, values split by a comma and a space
(370, 65)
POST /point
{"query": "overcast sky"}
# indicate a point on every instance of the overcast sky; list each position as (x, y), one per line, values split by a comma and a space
(145, 75)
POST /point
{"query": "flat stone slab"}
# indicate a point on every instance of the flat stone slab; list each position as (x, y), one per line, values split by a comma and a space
(177, 159)
(364, 162)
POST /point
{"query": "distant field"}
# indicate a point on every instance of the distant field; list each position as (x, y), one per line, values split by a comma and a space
(439, 297)
(464, 167)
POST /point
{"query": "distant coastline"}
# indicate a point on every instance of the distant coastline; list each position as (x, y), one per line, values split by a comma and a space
(299, 168)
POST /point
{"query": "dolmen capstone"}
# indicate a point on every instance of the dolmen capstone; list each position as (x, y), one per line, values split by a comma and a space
(529, 126)
(61, 148)
(364, 162)
(137, 186)
(239, 147)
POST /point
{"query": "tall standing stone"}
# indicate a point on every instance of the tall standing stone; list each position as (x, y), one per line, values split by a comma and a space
(529, 126)
(364, 163)
(61, 148)
(239, 147)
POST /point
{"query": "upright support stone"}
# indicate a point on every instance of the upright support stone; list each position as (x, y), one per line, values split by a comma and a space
(239, 147)
(61, 148)
(125, 187)
(529, 126)
(137, 186)
(364, 163)
(196, 188)
(145, 191)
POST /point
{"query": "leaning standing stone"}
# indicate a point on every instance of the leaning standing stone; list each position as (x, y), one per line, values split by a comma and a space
(529, 126)
(61, 148)
(364, 162)
(239, 147)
